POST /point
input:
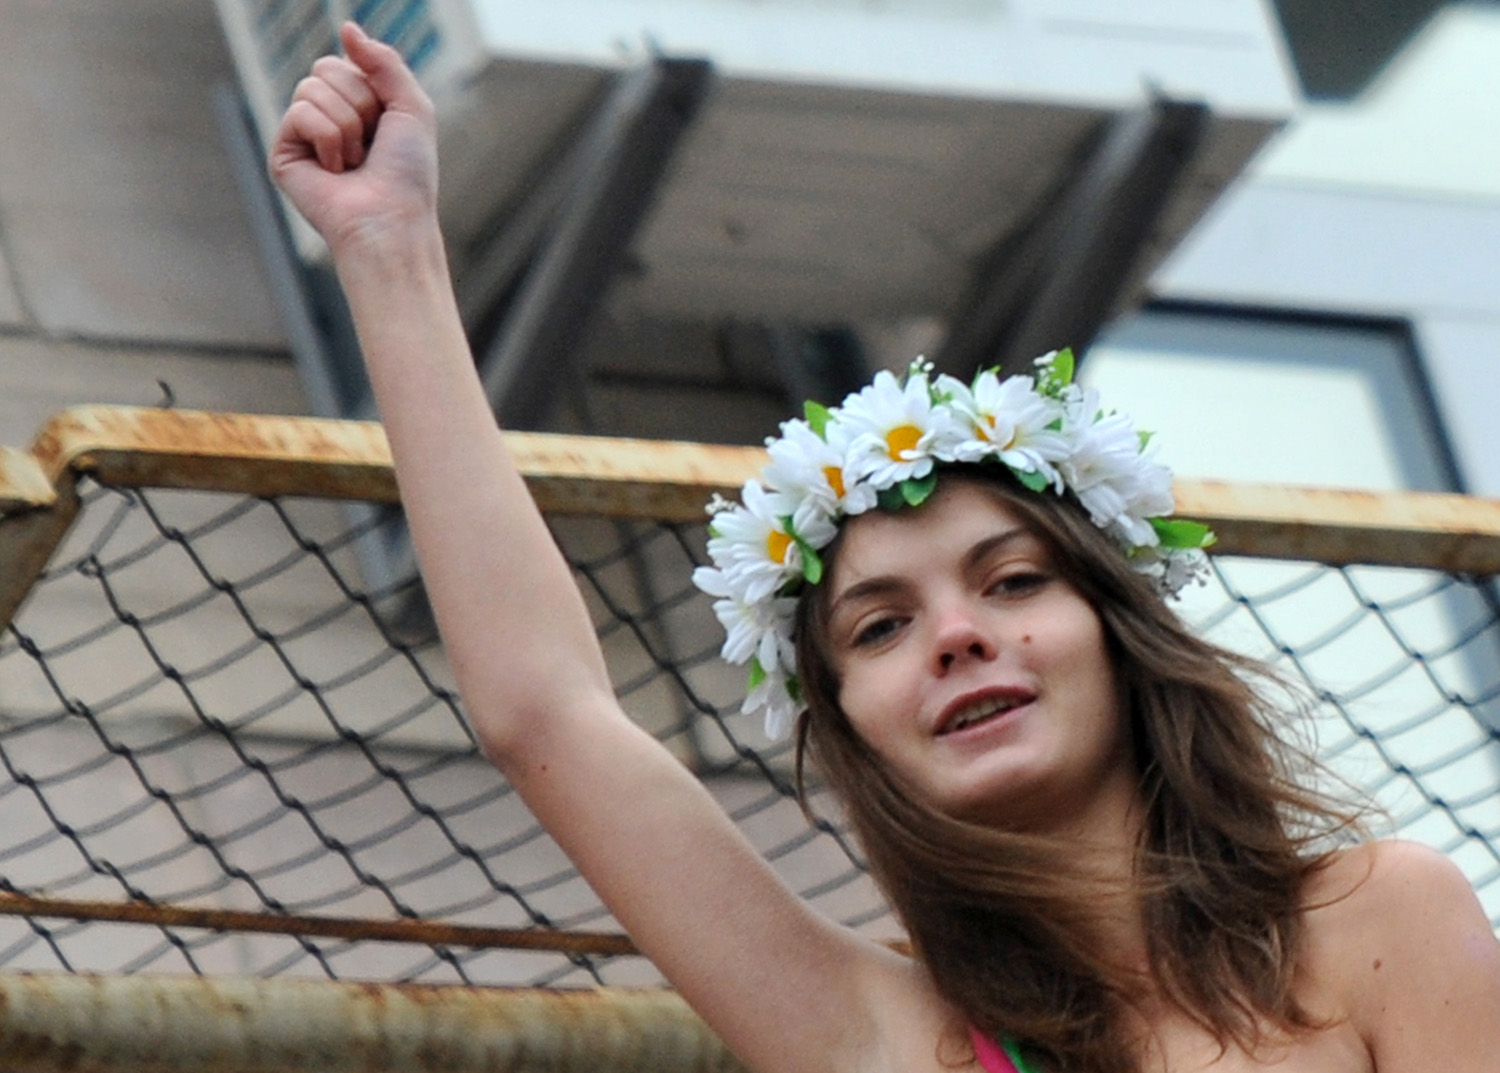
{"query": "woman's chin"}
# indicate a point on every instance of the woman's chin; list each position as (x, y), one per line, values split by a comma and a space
(999, 795)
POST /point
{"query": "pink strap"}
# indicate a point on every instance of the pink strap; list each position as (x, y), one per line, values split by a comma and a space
(992, 1058)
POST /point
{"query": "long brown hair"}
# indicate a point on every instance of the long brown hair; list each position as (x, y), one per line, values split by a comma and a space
(1231, 834)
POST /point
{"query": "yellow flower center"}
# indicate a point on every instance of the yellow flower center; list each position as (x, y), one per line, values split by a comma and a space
(835, 479)
(901, 439)
(994, 423)
(777, 544)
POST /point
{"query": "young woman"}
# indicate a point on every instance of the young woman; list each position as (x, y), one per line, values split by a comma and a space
(1076, 807)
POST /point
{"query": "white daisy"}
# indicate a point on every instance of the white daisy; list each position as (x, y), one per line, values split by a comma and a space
(809, 470)
(751, 545)
(857, 495)
(895, 432)
(1010, 420)
(771, 693)
(1105, 470)
(1148, 495)
(753, 629)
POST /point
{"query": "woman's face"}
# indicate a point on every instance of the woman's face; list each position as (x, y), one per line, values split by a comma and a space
(972, 668)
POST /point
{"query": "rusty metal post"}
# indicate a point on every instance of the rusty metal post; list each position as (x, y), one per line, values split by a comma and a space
(37, 507)
(143, 1024)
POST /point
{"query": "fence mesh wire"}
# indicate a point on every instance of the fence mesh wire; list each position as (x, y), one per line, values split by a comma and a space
(200, 704)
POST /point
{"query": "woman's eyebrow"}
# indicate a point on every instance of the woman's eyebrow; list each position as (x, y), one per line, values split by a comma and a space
(880, 585)
(983, 549)
(883, 584)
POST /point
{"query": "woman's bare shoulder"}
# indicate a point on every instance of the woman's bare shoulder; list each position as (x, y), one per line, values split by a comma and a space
(1357, 885)
(918, 1029)
(1399, 943)
(1386, 868)
(1390, 897)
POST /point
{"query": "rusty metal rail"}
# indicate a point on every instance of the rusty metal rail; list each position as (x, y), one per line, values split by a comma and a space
(292, 456)
(143, 1024)
(258, 455)
(403, 930)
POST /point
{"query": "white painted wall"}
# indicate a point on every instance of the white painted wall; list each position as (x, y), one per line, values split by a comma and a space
(1074, 51)
(1388, 206)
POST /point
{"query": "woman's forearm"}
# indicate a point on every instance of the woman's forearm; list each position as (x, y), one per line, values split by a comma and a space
(496, 580)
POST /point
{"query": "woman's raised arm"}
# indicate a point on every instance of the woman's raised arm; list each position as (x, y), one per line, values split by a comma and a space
(356, 155)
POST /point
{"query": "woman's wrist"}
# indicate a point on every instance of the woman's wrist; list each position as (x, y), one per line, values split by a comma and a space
(392, 248)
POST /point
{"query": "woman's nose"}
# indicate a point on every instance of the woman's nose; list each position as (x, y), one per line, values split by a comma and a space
(960, 638)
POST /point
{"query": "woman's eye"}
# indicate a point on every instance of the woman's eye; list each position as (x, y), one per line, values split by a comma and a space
(1019, 583)
(874, 632)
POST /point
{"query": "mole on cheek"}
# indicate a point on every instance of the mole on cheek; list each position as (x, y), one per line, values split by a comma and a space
(1026, 639)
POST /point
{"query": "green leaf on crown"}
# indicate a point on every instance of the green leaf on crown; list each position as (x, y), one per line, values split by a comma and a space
(1063, 365)
(1181, 533)
(1053, 377)
(916, 490)
(817, 417)
(812, 562)
(890, 499)
(1033, 479)
(757, 672)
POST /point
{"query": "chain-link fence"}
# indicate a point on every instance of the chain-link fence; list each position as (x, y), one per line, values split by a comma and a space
(224, 756)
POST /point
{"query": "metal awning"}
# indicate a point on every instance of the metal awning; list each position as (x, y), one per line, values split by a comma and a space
(852, 161)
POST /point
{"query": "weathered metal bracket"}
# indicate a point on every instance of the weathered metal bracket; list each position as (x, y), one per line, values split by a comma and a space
(612, 179)
(1059, 283)
(28, 537)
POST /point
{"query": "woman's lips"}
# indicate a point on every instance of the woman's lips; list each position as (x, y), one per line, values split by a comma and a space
(975, 709)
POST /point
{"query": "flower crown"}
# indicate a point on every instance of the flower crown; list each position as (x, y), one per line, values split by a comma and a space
(880, 449)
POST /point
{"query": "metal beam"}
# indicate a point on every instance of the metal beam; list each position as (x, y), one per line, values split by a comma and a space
(627, 150)
(1058, 284)
(488, 269)
(823, 364)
